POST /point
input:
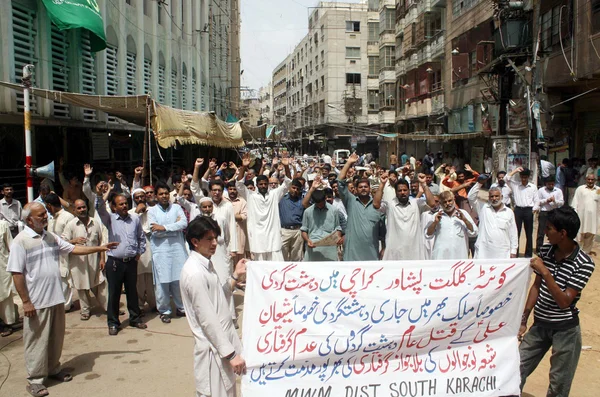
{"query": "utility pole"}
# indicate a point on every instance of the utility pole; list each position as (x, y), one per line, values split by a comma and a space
(27, 73)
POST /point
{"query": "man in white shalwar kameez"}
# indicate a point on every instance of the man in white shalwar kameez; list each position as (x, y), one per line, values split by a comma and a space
(586, 202)
(264, 227)
(217, 349)
(451, 227)
(8, 315)
(404, 237)
(497, 236)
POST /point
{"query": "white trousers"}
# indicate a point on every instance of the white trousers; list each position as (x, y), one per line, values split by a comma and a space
(275, 256)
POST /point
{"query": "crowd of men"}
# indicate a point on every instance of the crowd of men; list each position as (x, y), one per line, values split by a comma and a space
(183, 241)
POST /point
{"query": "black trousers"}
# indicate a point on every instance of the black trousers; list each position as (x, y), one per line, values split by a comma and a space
(542, 219)
(119, 273)
(524, 215)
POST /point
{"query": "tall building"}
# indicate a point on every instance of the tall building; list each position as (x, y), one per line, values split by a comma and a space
(328, 79)
(265, 97)
(155, 47)
(280, 83)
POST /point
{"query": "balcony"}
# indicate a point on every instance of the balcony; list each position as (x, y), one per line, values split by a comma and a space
(437, 45)
(423, 6)
(386, 38)
(400, 67)
(387, 117)
(400, 24)
(412, 61)
(437, 103)
(424, 55)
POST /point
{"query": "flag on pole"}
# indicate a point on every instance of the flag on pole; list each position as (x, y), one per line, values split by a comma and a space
(73, 14)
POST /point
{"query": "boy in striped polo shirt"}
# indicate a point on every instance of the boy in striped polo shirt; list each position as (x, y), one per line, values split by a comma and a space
(562, 270)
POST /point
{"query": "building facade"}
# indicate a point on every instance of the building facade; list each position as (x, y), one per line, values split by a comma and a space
(156, 48)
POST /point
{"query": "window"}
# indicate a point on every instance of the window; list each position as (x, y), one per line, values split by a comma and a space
(352, 52)
(595, 16)
(322, 83)
(353, 78)
(386, 57)
(387, 20)
(373, 66)
(373, 31)
(551, 28)
(373, 96)
(387, 96)
(147, 7)
(159, 12)
(373, 5)
(352, 26)
(461, 6)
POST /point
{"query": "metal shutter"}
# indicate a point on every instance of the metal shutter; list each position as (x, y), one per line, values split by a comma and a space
(88, 73)
(112, 82)
(161, 85)
(131, 88)
(147, 76)
(60, 68)
(24, 32)
(174, 95)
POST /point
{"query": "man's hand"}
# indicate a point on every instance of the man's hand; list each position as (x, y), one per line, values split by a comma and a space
(87, 170)
(285, 160)
(353, 158)
(438, 216)
(522, 331)
(102, 265)
(246, 160)
(240, 267)
(223, 167)
(184, 179)
(198, 163)
(28, 309)
(79, 241)
(157, 228)
(274, 162)
(138, 172)
(422, 179)
(340, 242)
(119, 176)
(512, 256)
(110, 246)
(100, 188)
(537, 264)
(140, 208)
(238, 364)
(232, 165)
(384, 178)
(264, 162)
(458, 213)
(310, 244)
(468, 168)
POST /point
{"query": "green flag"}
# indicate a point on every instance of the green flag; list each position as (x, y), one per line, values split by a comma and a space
(72, 14)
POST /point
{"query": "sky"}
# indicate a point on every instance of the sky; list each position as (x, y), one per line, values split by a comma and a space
(270, 29)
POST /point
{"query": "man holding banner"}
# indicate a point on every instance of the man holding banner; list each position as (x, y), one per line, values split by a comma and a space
(562, 272)
(217, 358)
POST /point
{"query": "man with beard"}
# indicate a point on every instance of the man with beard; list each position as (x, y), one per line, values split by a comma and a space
(451, 228)
(145, 278)
(527, 203)
(57, 225)
(551, 198)
(404, 238)
(291, 209)
(366, 227)
(86, 271)
(319, 221)
(497, 236)
(240, 212)
(33, 262)
(167, 222)
(504, 188)
(586, 202)
(426, 217)
(389, 191)
(10, 209)
(264, 227)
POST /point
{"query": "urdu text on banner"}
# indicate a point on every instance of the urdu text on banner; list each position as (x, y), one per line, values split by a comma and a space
(375, 329)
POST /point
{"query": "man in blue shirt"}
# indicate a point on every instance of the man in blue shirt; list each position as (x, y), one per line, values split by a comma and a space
(290, 215)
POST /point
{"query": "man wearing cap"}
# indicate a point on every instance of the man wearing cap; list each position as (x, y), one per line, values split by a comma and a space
(551, 198)
(527, 202)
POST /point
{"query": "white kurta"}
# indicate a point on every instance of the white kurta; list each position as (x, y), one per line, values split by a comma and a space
(404, 238)
(6, 282)
(264, 227)
(85, 269)
(427, 217)
(57, 226)
(452, 237)
(225, 211)
(586, 202)
(145, 262)
(206, 302)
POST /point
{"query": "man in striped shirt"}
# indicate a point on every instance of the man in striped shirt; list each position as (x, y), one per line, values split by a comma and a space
(562, 271)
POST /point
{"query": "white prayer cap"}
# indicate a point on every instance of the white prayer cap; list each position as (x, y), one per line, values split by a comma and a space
(138, 190)
(204, 199)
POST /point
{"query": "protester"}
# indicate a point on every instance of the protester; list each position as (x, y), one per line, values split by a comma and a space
(320, 221)
(8, 314)
(217, 350)
(404, 238)
(527, 203)
(561, 273)
(365, 229)
(497, 234)
(451, 228)
(33, 262)
(547, 169)
(145, 276)
(240, 212)
(57, 225)
(504, 188)
(86, 270)
(550, 198)
(586, 202)
(167, 222)
(291, 210)
(10, 209)
(121, 264)
(264, 227)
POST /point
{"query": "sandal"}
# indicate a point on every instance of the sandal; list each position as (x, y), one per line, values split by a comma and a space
(85, 316)
(6, 332)
(37, 390)
(165, 318)
(61, 376)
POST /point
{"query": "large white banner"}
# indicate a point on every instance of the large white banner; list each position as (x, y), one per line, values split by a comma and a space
(374, 329)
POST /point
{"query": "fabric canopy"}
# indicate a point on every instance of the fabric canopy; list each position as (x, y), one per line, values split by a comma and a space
(417, 137)
(176, 125)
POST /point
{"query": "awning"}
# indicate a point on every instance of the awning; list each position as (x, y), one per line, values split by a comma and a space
(445, 137)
